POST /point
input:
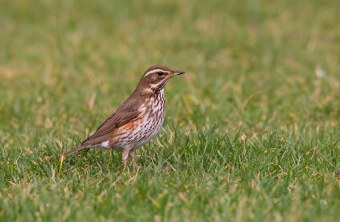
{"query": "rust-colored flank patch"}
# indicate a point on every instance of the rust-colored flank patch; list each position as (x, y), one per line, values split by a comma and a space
(132, 124)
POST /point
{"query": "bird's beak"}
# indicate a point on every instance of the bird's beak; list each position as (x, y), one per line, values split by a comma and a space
(177, 72)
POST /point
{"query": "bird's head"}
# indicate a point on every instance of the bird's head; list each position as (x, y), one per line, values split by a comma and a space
(155, 78)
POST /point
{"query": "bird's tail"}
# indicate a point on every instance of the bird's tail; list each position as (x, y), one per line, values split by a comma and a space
(75, 150)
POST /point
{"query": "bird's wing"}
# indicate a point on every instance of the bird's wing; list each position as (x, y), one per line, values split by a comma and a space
(124, 114)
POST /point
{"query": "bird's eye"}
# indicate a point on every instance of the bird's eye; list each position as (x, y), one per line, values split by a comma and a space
(160, 73)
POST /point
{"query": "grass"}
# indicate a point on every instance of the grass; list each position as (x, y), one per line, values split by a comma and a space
(252, 130)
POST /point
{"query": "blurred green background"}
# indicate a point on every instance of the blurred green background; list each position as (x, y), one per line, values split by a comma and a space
(252, 129)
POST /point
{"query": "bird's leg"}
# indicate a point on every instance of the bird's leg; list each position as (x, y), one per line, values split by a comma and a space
(132, 155)
(125, 156)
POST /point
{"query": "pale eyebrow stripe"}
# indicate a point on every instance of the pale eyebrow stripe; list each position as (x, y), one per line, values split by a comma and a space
(154, 70)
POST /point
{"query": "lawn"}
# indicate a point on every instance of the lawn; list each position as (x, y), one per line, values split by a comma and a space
(252, 129)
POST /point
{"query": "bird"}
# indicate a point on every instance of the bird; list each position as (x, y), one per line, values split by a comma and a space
(137, 120)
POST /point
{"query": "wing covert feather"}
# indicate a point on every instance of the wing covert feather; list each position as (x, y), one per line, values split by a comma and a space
(124, 114)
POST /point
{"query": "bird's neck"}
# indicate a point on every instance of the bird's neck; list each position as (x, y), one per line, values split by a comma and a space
(158, 90)
(150, 91)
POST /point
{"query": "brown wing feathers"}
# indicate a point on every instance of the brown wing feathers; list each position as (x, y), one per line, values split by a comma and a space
(127, 112)
(113, 122)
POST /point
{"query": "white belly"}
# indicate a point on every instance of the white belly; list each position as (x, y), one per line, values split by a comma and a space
(148, 131)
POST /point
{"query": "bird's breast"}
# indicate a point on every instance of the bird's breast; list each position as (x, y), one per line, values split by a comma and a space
(146, 126)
